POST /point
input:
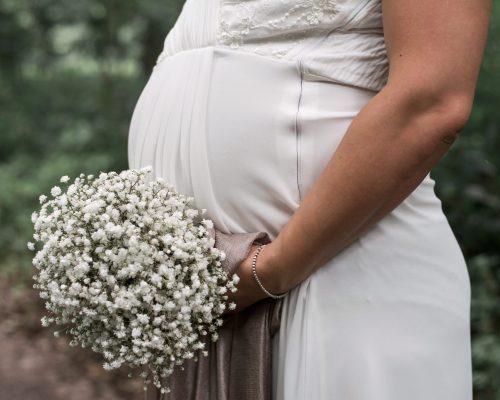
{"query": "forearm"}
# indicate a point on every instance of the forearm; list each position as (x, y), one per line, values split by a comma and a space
(389, 205)
(386, 152)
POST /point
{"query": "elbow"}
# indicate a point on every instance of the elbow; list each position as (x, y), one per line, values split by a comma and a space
(452, 111)
(440, 111)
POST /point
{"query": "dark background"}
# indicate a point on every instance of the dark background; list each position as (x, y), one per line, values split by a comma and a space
(70, 75)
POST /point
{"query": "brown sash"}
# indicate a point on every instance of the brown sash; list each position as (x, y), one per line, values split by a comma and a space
(238, 365)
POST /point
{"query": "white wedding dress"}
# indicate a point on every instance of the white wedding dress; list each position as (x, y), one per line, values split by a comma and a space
(245, 107)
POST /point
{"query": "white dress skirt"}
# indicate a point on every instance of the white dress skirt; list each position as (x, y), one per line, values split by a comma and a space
(245, 135)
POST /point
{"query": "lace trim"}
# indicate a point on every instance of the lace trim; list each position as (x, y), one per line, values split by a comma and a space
(248, 23)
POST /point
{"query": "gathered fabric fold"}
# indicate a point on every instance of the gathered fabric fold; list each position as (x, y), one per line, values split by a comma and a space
(239, 364)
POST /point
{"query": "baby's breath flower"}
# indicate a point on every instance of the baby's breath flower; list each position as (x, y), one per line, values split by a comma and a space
(55, 191)
(128, 264)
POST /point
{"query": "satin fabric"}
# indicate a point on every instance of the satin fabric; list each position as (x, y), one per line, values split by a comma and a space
(246, 136)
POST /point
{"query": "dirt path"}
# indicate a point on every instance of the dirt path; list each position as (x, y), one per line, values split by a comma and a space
(34, 365)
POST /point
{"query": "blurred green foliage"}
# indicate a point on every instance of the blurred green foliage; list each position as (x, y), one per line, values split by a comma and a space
(70, 75)
(71, 72)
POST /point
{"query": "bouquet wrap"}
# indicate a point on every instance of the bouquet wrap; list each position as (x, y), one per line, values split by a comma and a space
(239, 364)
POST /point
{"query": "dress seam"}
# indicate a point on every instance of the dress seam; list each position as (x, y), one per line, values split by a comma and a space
(298, 136)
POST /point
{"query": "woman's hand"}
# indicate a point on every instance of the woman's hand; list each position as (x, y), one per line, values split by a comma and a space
(249, 292)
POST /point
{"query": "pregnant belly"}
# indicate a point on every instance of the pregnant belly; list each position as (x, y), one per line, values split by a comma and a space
(243, 134)
(221, 127)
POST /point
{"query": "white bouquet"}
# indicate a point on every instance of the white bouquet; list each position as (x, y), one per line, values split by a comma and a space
(130, 270)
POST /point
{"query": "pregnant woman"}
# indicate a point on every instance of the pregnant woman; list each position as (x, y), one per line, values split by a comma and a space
(318, 121)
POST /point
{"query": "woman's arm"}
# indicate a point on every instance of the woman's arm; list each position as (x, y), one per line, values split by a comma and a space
(435, 50)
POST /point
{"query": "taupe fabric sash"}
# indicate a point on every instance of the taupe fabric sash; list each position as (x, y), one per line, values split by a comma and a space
(239, 364)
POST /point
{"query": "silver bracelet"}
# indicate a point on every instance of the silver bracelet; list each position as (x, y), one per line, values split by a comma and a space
(254, 272)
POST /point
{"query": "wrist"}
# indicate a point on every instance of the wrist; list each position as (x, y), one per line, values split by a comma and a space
(269, 270)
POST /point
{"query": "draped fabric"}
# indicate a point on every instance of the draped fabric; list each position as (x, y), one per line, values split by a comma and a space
(239, 363)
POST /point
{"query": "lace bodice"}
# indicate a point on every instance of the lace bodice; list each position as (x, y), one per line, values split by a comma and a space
(273, 27)
(338, 40)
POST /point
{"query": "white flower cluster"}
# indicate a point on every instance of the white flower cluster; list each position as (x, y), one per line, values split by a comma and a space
(131, 270)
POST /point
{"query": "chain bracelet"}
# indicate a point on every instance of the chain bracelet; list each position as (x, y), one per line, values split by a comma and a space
(254, 272)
